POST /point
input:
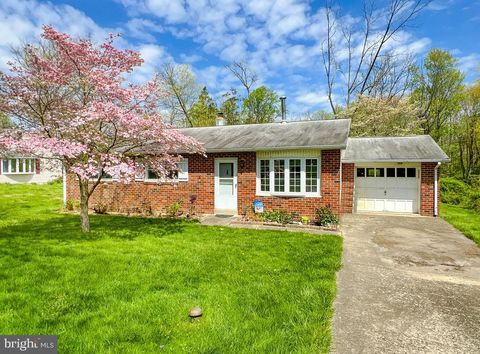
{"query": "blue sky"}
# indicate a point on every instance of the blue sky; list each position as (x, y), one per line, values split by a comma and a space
(279, 38)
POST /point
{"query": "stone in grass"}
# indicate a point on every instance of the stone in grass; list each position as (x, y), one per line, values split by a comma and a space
(195, 312)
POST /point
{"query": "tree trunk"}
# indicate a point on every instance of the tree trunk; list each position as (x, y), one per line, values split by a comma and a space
(83, 184)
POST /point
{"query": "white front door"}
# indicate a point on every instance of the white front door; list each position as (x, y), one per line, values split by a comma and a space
(226, 186)
(387, 188)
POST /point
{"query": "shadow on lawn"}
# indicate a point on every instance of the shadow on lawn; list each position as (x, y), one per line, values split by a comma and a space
(66, 228)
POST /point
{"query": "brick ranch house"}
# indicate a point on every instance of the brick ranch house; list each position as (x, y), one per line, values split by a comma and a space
(295, 166)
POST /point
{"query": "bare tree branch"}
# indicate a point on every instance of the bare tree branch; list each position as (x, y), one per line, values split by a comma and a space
(244, 74)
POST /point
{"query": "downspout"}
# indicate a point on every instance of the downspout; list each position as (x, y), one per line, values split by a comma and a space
(64, 177)
(341, 207)
(435, 176)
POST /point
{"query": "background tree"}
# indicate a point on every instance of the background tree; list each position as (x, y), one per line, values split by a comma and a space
(357, 56)
(71, 98)
(468, 133)
(230, 109)
(262, 106)
(377, 116)
(5, 121)
(204, 111)
(244, 74)
(178, 82)
(438, 88)
(319, 115)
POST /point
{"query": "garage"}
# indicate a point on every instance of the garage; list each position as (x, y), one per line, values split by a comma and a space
(393, 174)
(387, 188)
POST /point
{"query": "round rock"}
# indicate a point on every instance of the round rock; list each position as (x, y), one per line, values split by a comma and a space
(195, 312)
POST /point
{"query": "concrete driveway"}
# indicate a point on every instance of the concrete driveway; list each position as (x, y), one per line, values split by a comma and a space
(409, 284)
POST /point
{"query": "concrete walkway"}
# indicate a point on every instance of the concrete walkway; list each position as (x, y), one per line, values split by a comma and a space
(407, 285)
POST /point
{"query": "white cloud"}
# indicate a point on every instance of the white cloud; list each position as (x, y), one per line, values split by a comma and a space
(143, 29)
(280, 40)
(439, 5)
(311, 98)
(470, 64)
(190, 58)
(154, 56)
(172, 11)
(21, 22)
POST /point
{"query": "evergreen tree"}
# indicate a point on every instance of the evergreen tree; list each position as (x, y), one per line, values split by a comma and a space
(204, 111)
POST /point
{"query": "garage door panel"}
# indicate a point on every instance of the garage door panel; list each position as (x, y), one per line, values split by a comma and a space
(388, 193)
(400, 205)
(370, 204)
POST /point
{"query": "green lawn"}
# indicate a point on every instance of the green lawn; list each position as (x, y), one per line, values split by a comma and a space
(128, 285)
(465, 220)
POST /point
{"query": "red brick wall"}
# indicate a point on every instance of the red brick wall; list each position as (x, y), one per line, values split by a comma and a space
(427, 188)
(149, 197)
(348, 178)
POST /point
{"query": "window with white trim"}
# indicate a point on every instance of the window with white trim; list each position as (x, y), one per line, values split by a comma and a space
(265, 175)
(311, 177)
(180, 175)
(18, 166)
(288, 176)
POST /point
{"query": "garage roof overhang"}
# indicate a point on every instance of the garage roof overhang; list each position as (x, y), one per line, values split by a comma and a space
(420, 148)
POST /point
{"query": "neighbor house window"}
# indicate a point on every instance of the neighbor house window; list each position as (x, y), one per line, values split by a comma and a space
(18, 166)
(289, 176)
(178, 175)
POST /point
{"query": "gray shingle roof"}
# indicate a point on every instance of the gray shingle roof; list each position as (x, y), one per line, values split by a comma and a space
(322, 134)
(420, 148)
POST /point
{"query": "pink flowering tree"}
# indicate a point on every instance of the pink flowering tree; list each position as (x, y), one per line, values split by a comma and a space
(71, 102)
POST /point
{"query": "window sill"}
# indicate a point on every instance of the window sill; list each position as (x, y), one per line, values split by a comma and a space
(287, 195)
(17, 173)
(165, 181)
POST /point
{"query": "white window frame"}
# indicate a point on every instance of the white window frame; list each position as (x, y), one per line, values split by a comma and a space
(182, 174)
(303, 179)
(32, 171)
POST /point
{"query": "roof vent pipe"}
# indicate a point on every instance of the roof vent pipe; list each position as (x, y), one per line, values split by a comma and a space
(220, 120)
(284, 108)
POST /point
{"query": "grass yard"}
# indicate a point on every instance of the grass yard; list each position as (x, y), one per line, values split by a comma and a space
(465, 220)
(128, 285)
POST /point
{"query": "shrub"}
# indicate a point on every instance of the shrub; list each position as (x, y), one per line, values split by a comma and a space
(454, 191)
(173, 210)
(325, 217)
(473, 200)
(280, 216)
(72, 205)
(100, 208)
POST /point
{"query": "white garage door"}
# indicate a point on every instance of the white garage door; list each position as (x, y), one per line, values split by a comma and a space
(386, 189)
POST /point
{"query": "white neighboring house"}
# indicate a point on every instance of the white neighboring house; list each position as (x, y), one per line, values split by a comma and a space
(28, 170)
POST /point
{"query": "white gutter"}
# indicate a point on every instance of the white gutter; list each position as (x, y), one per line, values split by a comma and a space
(64, 177)
(435, 176)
